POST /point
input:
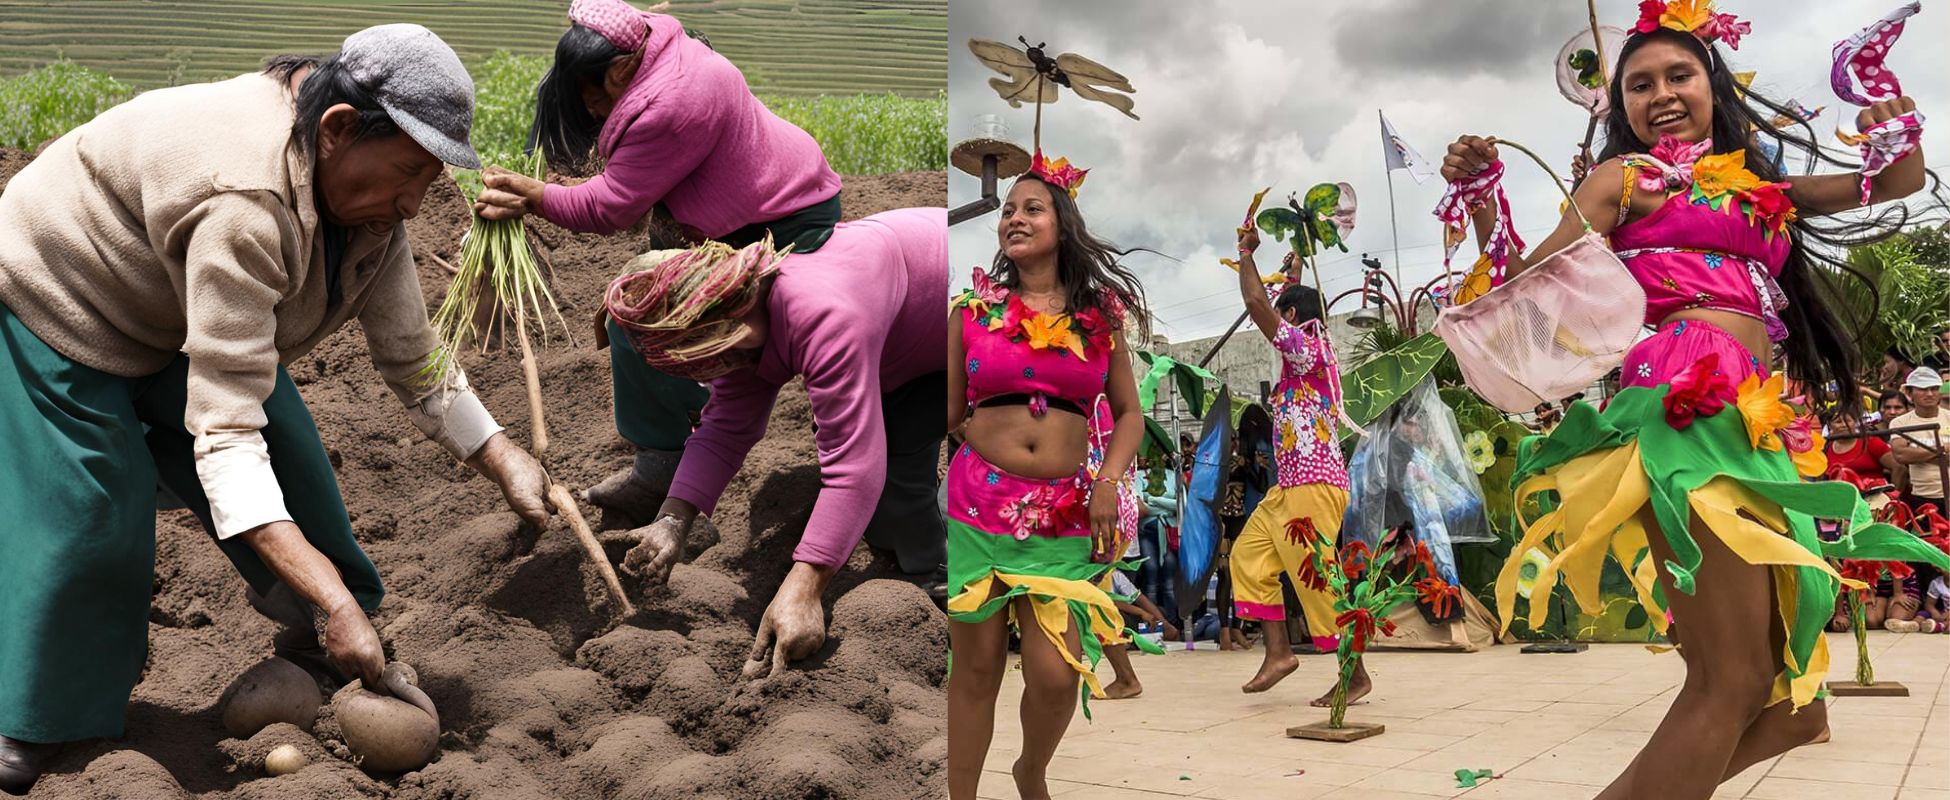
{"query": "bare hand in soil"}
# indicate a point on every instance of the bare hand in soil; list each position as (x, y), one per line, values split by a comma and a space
(518, 474)
(507, 195)
(354, 645)
(794, 625)
(662, 544)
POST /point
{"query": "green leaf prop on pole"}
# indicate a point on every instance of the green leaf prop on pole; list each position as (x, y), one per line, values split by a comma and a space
(1369, 389)
(1189, 379)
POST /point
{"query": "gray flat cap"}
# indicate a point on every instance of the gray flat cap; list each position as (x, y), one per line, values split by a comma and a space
(420, 83)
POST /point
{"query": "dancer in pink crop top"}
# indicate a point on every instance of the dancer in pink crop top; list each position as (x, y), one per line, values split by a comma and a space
(1040, 499)
(1692, 475)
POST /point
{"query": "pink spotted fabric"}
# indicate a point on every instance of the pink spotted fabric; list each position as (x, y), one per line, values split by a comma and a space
(1307, 423)
(621, 23)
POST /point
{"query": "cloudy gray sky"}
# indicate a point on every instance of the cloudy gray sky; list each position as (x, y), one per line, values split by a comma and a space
(1239, 94)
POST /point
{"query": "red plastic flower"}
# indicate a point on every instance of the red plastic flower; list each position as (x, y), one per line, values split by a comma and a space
(1649, 13)
(1769, 203)
(1309, 574)
(1013, 317)
(1729, 28)
(1354, 559)
(1301, 531)
(1869, 572)
(1425, 559)
(1701, 390)
(1360, 625)
(1930, 522)
(1071, 506)
(1439, 595)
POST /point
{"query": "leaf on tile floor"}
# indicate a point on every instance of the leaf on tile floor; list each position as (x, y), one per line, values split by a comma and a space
(1468, 778)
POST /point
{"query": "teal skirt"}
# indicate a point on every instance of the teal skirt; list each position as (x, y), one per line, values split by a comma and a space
(85, 451)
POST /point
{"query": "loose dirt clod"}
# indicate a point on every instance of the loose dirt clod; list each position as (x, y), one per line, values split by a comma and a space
(540, 694)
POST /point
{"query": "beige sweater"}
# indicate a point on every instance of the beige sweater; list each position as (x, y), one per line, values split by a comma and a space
(182, 221)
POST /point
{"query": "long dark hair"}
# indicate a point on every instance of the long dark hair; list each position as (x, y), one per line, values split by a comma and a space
(1086, 265)
(1818, 350)
(328, 85)
(564, 129)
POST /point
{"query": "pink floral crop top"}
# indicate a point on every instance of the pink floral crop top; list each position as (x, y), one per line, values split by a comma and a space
(1306, 409)
(1013, 351)
(1718, 242)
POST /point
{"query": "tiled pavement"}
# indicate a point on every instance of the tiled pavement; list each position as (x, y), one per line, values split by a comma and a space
(1556, 726)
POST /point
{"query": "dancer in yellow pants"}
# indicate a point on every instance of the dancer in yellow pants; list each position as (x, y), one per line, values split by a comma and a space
(1312, 491)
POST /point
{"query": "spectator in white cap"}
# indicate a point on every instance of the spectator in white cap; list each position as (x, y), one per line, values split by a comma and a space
(158, 267)
(1924, 386)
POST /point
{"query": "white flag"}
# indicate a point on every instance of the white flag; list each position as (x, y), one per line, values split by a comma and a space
(1401, 156)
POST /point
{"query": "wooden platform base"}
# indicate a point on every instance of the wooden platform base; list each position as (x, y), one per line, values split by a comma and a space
(1877, 689)
(1350, 732)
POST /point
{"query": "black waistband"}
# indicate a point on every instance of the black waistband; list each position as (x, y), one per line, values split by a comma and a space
(1021, 399)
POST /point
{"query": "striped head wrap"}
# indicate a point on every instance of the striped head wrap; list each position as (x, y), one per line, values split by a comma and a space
(683, 310)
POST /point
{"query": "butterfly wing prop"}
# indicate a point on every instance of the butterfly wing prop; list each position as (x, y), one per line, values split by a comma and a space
(1094, 81)
(1022, 84)
(1283, 223)
(1580, 75)
(1332, 205)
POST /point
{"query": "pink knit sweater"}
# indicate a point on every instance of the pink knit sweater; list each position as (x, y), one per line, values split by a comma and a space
(689, 134)
(857, 318)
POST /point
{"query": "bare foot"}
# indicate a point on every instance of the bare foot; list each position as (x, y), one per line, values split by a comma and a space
(1357, 688)
(1123, 689)
(1271, 671)
(1029, 785)
(1225, 640)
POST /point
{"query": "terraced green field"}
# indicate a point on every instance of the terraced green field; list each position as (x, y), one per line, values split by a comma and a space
(785, 47)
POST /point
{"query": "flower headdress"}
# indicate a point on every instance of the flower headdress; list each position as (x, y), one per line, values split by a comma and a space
(1696, 17)
(1058, 173)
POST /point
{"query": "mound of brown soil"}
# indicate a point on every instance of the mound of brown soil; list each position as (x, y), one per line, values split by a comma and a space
(540, 693)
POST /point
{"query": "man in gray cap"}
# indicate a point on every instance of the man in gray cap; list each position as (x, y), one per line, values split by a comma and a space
(158, 266)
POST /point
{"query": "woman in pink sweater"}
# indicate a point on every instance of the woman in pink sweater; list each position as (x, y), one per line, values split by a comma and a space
(860, 323)
(675, 126)
(672, 125)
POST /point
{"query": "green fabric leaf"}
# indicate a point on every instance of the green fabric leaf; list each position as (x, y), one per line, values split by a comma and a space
(1369, 389)
(1188, 379)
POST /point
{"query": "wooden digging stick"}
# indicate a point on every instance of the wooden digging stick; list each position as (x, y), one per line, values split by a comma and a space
(558, 494)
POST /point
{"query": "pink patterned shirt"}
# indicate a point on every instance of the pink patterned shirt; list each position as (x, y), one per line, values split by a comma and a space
(1308, 447)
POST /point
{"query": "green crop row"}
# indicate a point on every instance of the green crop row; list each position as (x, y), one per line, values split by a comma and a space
(862, 134)
(49, 101)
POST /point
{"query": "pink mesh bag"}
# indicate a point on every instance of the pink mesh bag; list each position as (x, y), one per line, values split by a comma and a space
(1552, 330)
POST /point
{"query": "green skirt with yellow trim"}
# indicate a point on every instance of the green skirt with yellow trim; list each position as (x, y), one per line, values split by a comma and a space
(989, 565)
(1619, 474)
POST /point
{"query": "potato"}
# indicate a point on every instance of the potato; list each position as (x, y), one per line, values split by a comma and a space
(396, 733)
(284, 760)
(272, 690)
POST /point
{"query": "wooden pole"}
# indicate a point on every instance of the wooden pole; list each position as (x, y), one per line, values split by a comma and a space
(559, 495)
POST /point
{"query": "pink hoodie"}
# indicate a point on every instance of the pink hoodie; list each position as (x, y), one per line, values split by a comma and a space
(688, 133)
(859, 317)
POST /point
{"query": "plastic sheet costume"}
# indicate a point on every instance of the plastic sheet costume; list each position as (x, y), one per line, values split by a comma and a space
(1411, 471)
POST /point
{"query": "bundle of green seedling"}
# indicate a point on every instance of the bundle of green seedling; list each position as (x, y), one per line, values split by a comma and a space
(499, 283)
